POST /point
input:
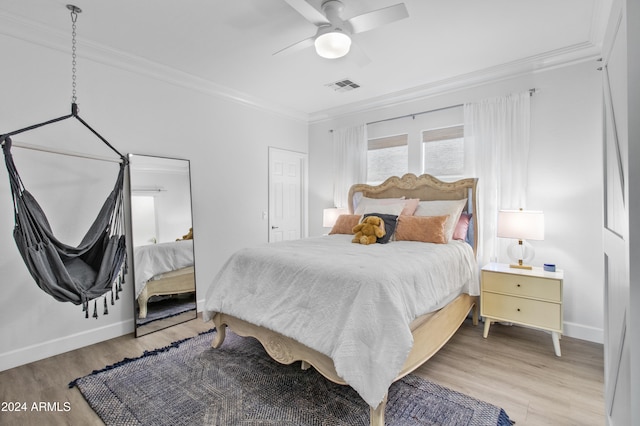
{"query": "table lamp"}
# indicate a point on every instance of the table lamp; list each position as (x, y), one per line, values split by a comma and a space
(521, 225)
(329, 216)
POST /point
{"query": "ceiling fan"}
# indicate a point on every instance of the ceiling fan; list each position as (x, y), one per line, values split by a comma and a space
(333, 37)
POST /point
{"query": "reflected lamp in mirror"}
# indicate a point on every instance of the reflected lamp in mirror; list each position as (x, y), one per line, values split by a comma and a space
(329, 216)
(521, 225)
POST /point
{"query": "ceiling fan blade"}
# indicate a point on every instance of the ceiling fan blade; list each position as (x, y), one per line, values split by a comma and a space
(309, 12)
(358, 55)
(296, 47)
(377, 18)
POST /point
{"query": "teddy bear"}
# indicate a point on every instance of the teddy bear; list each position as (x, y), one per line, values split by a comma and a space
(188, 236)
(369, 230)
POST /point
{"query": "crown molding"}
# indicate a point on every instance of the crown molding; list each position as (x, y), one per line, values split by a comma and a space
(39, 34)
(570, 55)
(48, 37)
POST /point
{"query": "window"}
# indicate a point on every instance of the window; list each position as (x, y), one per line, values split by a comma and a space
(386, 157)
(443, 151)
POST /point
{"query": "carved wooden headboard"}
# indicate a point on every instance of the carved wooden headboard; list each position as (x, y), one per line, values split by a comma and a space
(426, 188)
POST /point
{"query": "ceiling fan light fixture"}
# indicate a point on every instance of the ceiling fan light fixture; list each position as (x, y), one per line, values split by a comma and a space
(333, 44)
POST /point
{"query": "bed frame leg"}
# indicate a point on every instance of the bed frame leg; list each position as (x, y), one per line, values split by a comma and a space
(221, 330)
(142, 304)
(304, 365)
(475, 314)
(376, 415)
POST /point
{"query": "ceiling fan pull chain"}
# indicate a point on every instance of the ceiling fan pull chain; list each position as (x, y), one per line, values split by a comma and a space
(74, 17)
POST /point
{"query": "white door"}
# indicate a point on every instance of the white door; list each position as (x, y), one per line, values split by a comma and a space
(618, 328)
(287, 195)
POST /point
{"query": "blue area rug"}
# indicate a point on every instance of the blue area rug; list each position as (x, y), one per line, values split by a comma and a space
(190, 383)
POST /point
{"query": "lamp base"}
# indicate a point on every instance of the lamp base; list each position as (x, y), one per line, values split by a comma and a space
(516, 266)
(520, 252)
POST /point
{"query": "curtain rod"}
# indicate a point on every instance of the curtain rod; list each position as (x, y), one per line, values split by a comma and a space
(63, 152)
(531, 92)
(148, 190)
(414, 114)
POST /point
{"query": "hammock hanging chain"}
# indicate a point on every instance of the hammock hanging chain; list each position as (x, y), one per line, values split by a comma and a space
(74, 17)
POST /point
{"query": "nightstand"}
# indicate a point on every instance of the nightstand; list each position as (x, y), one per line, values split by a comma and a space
(530, 297)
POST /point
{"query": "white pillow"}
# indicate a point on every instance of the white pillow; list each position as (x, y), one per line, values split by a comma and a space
(451, 208)
(394, 209)
(365, 202)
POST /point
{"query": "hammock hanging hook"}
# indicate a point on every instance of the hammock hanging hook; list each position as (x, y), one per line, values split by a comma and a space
(74, 12)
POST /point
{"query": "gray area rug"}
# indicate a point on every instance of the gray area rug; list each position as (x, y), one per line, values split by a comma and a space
(190, 383)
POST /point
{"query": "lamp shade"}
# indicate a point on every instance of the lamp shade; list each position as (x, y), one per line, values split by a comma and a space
(521, 224)
(329, 216)
(333, 44)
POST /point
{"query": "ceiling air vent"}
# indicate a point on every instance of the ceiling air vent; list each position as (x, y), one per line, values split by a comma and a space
(343, 85)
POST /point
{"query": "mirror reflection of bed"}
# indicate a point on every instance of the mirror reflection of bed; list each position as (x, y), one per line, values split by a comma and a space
(162, 241)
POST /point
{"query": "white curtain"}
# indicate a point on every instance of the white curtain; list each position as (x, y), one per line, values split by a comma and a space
(350, 161)
(497, 136)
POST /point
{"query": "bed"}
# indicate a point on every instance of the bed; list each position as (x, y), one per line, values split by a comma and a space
(163, 269)
(361, 315)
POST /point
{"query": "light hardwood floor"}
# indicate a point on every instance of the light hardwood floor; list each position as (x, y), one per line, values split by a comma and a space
(514, 368)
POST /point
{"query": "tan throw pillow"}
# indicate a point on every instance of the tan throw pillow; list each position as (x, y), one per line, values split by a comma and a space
(345, 223)
(452, 208)
(427, 229)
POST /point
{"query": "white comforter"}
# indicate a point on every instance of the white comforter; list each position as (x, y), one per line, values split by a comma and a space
(351, 302)
(154, 259)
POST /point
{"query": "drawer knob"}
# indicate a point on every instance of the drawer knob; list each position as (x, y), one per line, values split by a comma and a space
(518, 309)
(517, 285)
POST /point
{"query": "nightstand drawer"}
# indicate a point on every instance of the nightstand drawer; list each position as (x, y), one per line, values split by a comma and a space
(526, 311)
(522, 285)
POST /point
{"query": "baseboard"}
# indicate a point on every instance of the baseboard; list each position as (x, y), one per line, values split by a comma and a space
(64, 344)
(200, 305)
(583, 332)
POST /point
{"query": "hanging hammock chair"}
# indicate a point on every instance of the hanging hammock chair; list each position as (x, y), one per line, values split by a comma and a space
(70, 274)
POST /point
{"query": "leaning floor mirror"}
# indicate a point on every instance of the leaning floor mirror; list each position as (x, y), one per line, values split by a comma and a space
(162, 239)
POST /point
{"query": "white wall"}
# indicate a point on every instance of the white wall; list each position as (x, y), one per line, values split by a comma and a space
(226, 141)
(565, 176)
